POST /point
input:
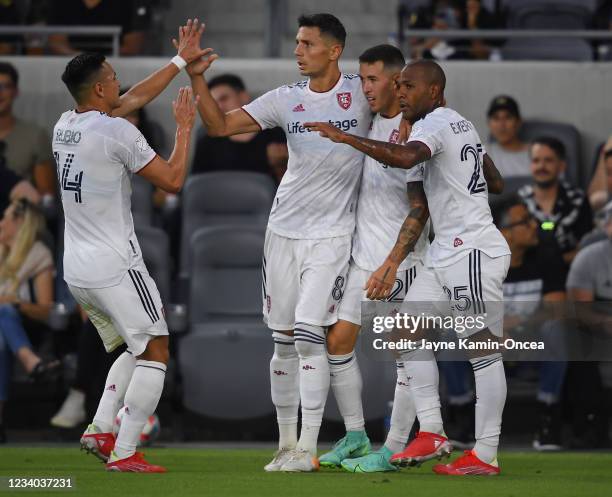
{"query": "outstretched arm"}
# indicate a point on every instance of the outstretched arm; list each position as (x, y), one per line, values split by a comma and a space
(401, 156)
(381, 281)
(188, 48)
(495, 182)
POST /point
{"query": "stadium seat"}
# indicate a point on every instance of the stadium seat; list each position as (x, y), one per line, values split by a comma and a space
(223, 198)
(226, 277)
(214, 365)
(549, 14)
(142, 201)
(568, 135)
(155, 248)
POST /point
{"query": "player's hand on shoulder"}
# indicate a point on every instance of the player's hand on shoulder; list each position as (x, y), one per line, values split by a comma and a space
(184, 108)
(188, 47)
(327, 130)
(381, 281)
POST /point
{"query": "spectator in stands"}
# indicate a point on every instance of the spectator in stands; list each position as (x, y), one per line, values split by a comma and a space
(561, 210)
(536, 275)
(600, 188)
(510, 153)
(26, 291)
(9, 15)
(132, 15)
(27, 147)
(13, 186)
(265, 151)
(590, 280)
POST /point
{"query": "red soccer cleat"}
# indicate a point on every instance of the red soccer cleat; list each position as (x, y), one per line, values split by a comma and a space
(424, 447)
(467, 464)
(134, 464)
(99, 444)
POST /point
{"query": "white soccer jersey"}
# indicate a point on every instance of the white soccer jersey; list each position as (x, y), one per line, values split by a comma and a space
(383, 204)
(95, 156)
(456, 189)
(317, 196)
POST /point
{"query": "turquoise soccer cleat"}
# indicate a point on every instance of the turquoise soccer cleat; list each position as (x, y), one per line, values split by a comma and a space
(376, 462)
(354, 444)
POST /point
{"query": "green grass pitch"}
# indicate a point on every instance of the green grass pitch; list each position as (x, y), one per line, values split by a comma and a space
(238, 472)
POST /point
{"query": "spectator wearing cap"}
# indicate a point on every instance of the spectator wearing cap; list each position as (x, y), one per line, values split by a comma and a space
(510, 153)
(25, 147)
(562, 211)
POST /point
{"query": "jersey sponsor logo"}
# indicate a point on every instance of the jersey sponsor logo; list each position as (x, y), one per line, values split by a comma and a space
(308, 367)
(394, 137)
(296, 127)
(278, 372)
(299, 108)
(458, 242)
(67, 136)
(344, 99)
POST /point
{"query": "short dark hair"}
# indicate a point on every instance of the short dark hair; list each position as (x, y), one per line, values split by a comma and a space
(10, 71)
(328, 24)
(553, 143)
(231, 80)
(500, 208)
(389, 55)
(80, 70)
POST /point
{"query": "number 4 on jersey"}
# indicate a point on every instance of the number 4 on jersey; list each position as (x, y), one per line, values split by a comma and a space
(66, 184)
(468, 151)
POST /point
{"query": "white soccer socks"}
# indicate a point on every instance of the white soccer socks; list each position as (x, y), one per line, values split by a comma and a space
(422, 372)
(314, 382)
(347, 384)
(141, 400)
(284, 383)
(403, 413)
(491, 389)
(117, 381)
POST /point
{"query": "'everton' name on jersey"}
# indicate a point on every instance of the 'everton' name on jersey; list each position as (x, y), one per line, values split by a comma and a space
(317, 196)
(456, 189)
(95, 155)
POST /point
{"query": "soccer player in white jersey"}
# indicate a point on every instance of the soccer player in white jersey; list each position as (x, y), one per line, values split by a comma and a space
(308, 239)
(96, 153)
(465, 265)
(390, 201)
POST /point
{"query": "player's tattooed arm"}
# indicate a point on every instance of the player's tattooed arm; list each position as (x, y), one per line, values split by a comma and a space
(380, 283)
(495, 182)
(400, 156)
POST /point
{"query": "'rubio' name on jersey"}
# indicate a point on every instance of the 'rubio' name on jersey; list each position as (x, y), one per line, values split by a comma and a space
(345, 125)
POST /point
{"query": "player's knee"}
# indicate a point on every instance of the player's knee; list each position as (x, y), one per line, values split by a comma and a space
(157, 350)
(284, 346)
(338, 344)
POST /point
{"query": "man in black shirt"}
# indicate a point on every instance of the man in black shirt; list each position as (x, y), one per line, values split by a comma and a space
(562, 211)
(263, 152)
(536, 275)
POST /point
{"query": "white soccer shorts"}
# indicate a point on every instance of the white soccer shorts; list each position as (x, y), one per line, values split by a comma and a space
(130, 312)
(471, 286)
(303, 280)
(354, 295)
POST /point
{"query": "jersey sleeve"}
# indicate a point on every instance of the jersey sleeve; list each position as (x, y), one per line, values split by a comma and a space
(265, 110)
(429, 132)
(415, 173)
(129, 147)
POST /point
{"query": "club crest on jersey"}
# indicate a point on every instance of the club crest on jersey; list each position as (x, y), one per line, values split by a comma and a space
(457, 242)
(394, 137)
(344, 99)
